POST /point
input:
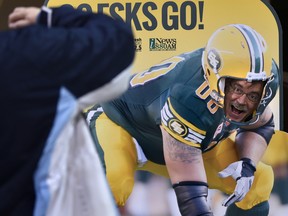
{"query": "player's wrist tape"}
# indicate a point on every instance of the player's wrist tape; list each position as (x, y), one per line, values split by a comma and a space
(248, 167)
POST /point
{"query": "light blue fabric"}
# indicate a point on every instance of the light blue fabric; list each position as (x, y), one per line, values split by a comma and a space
(66, 106)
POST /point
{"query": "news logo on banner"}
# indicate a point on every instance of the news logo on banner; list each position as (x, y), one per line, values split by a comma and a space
(162, 44)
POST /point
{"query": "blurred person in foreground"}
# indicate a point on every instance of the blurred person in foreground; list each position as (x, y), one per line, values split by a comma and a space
(54, 62)
(179, 115)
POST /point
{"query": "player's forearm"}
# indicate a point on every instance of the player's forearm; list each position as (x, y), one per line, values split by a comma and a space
(251, 145)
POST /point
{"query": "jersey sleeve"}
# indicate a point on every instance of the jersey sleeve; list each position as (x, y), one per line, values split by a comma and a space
(182, 122)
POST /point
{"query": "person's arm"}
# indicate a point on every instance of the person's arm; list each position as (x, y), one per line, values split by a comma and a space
(253, 141)
(186, 170)
(71, 47)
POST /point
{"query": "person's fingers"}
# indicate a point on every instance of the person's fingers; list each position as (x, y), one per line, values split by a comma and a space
(22, 16)
(18, 24)
(16, 15)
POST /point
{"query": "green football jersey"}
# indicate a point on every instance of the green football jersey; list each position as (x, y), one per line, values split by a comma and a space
(175, 94)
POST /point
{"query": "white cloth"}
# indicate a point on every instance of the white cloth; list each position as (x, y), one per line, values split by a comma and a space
(70, 180)
(141, 158)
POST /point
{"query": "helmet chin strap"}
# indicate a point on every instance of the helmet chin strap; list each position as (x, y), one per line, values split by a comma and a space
(245, 123)
(216, 96)
(218, 99)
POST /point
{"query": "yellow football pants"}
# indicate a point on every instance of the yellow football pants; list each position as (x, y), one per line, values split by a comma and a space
(277, 151)
(121, 163)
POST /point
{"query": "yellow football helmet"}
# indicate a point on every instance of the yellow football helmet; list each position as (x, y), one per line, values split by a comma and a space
(239, 52)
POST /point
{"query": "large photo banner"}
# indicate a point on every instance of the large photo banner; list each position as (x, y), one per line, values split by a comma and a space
(168, 28)
(163, 29)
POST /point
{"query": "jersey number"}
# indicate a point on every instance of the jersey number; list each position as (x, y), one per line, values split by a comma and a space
(155, 71)
(203, 92)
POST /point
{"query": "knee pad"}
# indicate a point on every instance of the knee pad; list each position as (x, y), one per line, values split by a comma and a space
(192, 198)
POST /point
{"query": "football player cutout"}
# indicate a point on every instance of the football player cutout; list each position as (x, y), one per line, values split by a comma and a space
(55, 62)
(176, 119)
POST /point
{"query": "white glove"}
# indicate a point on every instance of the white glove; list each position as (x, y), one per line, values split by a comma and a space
(243, 172)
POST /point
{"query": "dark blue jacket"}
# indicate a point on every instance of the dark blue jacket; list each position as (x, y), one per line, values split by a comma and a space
(80, 52)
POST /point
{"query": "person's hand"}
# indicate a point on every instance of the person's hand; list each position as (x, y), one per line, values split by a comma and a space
(243, 172)
(23, 16)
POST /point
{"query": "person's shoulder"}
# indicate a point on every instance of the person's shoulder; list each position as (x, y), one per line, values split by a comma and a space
(195, 55)
(187, 103)
(191, 68)
(184, 93)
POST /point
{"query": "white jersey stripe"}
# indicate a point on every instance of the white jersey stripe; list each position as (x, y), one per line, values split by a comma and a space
(196, 134)
(193, 138)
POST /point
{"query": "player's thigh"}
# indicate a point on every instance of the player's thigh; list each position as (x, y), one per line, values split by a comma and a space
(224, 154)
(118, 155)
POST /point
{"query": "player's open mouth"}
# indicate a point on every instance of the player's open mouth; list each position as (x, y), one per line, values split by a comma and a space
(235, 110)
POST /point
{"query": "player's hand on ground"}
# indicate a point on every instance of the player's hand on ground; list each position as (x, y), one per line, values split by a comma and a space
(243, 172)
(23, 16)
